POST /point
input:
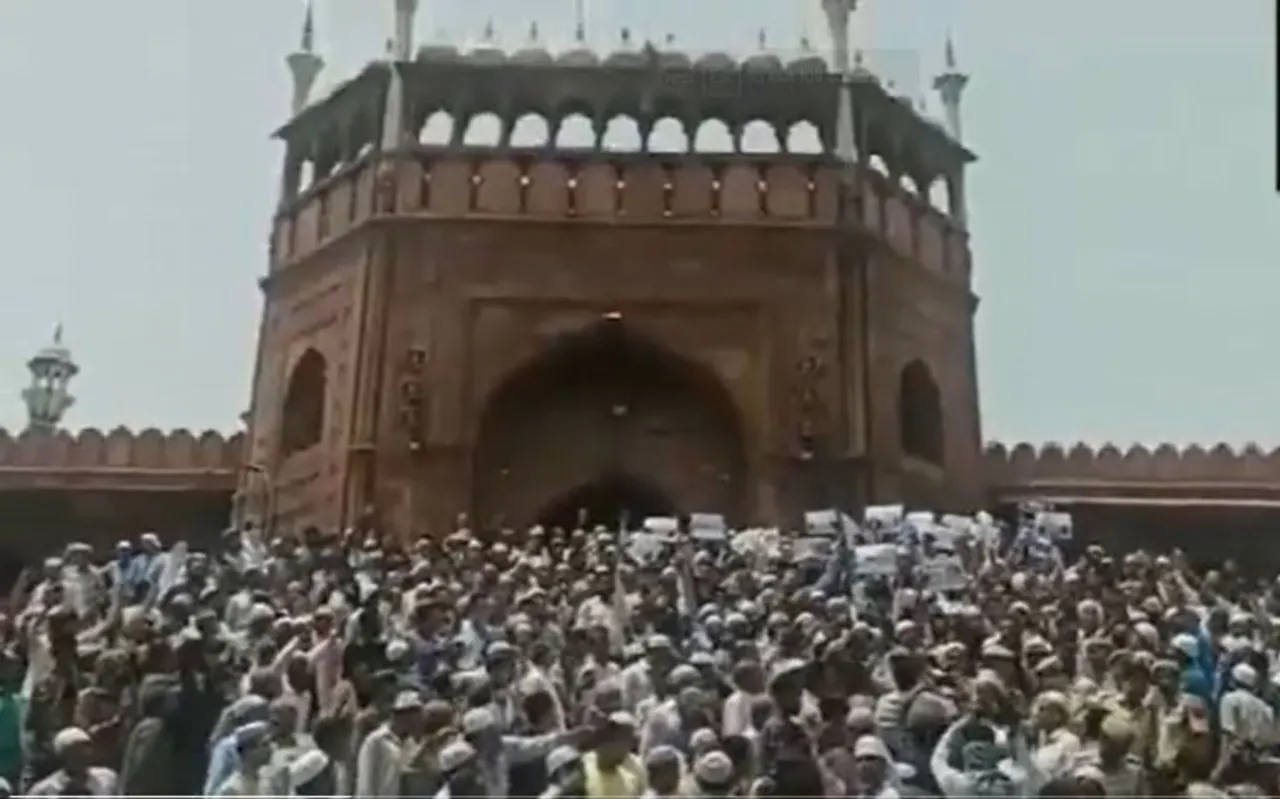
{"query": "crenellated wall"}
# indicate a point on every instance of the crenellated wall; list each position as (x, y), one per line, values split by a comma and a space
(1026, 465)
(537, 187)
(1023, 466)
(149, 460)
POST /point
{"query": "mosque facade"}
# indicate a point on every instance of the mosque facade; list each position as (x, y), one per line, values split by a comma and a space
(521, 285)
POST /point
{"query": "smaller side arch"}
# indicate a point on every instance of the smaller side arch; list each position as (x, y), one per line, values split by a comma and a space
(920, 422)
(302, 413)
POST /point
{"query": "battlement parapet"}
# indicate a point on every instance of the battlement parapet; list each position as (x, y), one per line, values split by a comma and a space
(1025, 465)
(121, 449)
(621, 188)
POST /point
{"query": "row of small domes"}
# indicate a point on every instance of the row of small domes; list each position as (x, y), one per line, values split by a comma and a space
(534, 53)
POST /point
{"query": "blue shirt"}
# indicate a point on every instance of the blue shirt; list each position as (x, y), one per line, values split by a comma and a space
(223, 761)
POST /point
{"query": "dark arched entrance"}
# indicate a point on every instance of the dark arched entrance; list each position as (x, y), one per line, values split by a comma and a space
(605, 502)
(599, 404)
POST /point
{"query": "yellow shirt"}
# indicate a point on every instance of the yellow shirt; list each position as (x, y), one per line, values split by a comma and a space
(625, 782)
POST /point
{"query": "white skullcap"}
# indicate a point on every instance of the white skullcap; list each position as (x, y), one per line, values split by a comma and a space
(713, 768)
(1185, 643)
(703, 738)
(872, 746)
(478, 720)
(68, 737)
(1244, 674)
(407, 700)
(397, 649)
(455, 755)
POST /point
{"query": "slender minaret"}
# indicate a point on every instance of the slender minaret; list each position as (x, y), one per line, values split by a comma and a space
(305, 64)
(406, 11)
(838, 15)
(950, 85)
(47, 398)
(400, 51)
(580, 21)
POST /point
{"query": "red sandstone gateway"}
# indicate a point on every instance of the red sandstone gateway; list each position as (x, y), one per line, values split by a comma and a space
(519, 285)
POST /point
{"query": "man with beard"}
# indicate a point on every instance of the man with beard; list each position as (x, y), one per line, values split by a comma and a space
(787, 758)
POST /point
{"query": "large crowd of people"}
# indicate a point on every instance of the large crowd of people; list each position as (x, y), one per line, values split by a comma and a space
(664, 662)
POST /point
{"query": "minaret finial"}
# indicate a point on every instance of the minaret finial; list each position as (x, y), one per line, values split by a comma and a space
(305, 64)
(580, 21)
(57, 335)
(669, 40)
(489, 33)
(950, 86)
(534, 35)
(761, 40)
(309, 30)
(626, 37)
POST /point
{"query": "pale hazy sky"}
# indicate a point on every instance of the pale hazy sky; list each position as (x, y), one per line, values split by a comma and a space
(1126, 231)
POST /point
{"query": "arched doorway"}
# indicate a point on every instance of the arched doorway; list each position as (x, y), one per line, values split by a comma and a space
(605, 501)
(595, 406)
(302, 415)
(920, 424)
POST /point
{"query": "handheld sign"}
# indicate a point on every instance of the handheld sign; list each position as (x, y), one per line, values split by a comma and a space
(663, 525)
(645, 547)
(827, 523)
(875, 560)
(945, 572)
(708, 527)
(883, 516)
(1056, 525)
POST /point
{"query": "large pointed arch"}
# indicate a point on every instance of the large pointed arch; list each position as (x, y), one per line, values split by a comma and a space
(920, 422)
(607, 409)
(302, 414)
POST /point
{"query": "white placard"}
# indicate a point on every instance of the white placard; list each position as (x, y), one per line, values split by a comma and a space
(663, 525)
(645, 547)
(820, 522)
(756, 540)
(1057, 525)
(875, 560)
(175, 560)
(883, 516)
(708, 527)
(814, 547)
(828, 522)
(959, 525)
(945, 573)
(923, 520)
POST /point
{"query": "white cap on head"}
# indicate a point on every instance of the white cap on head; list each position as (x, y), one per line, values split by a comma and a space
(1244, 674)
(68, 737)
(478, 720)
(407, 700)
(872, 746)
(713, 768)
(455, 755)
(397, 649)
(1185, 643)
